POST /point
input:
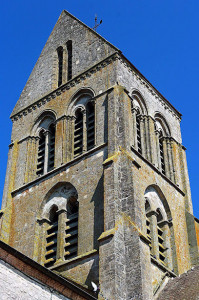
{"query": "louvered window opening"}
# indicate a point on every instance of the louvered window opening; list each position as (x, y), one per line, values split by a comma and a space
(161, 245)
(60, 66)
(71, 238)
(148, 231)
(78, 134)
(41, 155)
(69, 50)
(138, 135)
(90, 126)
(51, 150)
(162, 157)
(51, 244)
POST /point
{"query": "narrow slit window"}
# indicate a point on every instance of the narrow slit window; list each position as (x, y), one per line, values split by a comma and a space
(71, 232)
(90, 126)
(41, 154)
(51, 239)
(60, 65)
(69, 50)
(78, 133)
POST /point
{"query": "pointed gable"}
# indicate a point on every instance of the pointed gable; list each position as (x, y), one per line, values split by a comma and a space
(88, 48)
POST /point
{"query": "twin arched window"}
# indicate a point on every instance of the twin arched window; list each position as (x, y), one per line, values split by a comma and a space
(83, 134)
(158, 227)
(150, 136)
(59, 223)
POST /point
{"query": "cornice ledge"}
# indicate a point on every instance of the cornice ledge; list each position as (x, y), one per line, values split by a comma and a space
(75, 259)
(158, 171)
(66, 86)
(61, 168)
(164, 102)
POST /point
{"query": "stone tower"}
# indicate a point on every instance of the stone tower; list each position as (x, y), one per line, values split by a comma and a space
(97, 186)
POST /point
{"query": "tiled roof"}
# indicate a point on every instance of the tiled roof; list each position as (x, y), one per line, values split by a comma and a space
(183, 287)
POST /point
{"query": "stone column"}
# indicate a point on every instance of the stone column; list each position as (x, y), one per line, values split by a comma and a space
(170, 159)
(31, 158)
(61, 235)
(157, 136)
(70, 138)
(152, 141)
(123, 257)
(146, 136)
(7, 203)
(154, 235)
(176, 162)
(40, 240)
(166, 158)
(60, 141)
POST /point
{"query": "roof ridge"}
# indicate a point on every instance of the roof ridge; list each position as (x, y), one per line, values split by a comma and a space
(93, 31)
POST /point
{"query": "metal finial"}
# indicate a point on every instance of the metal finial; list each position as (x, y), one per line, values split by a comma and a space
(96, 25)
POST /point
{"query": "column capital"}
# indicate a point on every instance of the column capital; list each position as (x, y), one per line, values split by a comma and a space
(165, 222)
(41, 221)
(151, 213)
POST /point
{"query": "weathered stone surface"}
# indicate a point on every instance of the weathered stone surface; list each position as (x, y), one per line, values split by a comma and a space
(111, 179)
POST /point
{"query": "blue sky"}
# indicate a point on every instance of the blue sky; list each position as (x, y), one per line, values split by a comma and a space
(159, 37)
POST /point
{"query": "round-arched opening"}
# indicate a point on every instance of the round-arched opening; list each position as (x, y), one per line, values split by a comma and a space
(53, 216)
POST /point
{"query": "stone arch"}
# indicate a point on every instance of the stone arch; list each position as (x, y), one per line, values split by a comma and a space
(80, 99)
(43, 120)
(58, 195)
(154, 195)
(162, 124)
(138, 102)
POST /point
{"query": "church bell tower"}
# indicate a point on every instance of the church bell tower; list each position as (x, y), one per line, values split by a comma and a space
(97, 185)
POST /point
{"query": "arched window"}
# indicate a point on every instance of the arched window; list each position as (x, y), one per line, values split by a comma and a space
(41, 153)
(69, 51)
(71, 239)
(51, 147)
(46, 147)
(78, 133)
(163, 149)
(90, 118)
(158, 226)
(162, 161)
(60, 65)
(84, 125)
(148, 222)
(139, 123)
(51, 238)
(58, 225)
(160, 231)
(138, 131)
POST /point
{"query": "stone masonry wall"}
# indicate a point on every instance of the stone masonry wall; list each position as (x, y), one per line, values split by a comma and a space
(44, 75)
(16, 285)
(132, 82)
